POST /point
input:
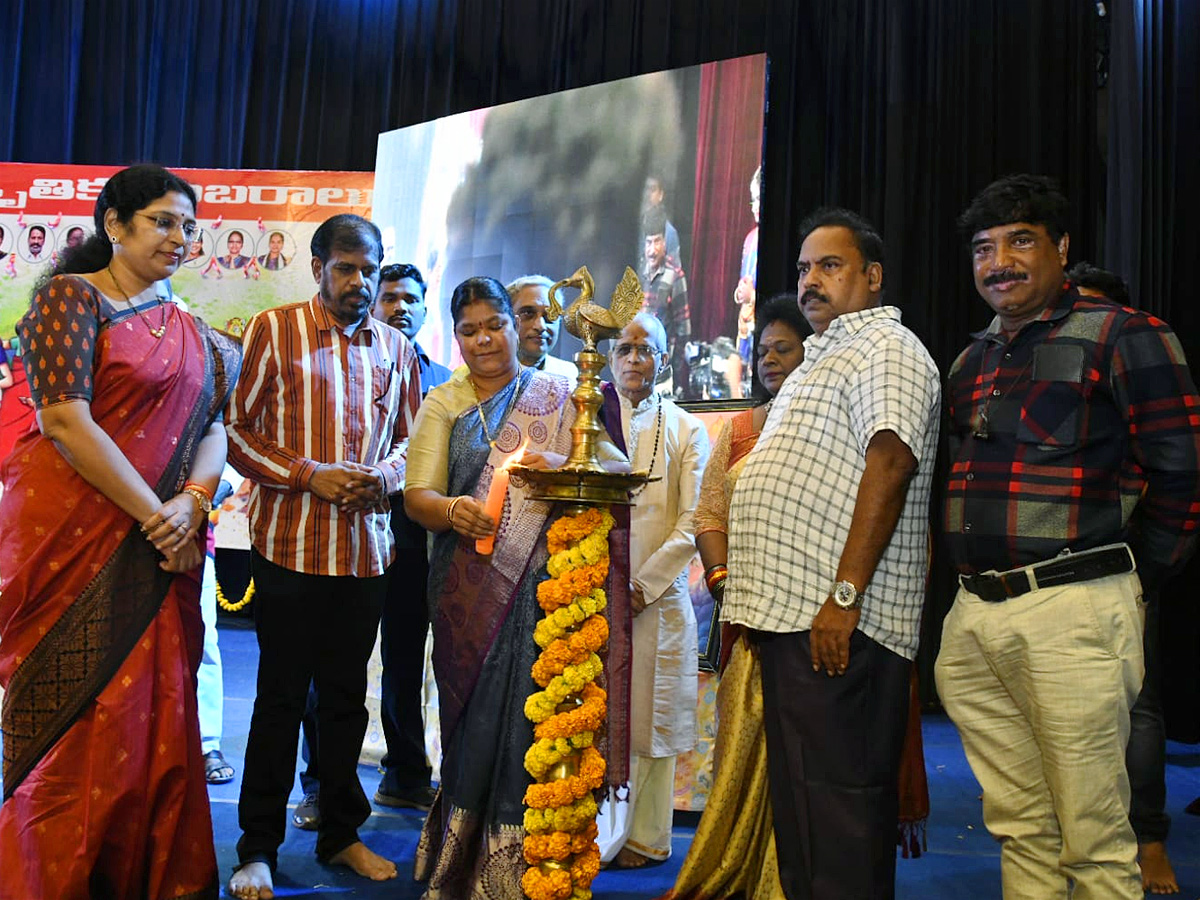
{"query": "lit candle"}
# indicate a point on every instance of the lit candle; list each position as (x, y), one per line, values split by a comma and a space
(494, 506)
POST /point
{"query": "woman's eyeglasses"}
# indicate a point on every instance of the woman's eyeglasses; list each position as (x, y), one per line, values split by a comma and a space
(167, 224)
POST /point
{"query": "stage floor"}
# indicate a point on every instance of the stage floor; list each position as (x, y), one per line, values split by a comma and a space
(961, 863)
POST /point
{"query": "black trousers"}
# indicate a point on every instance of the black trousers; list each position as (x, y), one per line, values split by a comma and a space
(402, 646)
(311, 629)
(833, 759)
(1146, 754)
(404, 625)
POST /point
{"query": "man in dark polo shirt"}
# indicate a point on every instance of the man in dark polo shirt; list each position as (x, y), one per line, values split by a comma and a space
(1074, 484)
(401, 303)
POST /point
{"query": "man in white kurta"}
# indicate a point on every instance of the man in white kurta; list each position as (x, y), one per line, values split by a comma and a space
(673, 446)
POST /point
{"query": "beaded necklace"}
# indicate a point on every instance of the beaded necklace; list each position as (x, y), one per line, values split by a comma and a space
(658, 429)
(479, 409)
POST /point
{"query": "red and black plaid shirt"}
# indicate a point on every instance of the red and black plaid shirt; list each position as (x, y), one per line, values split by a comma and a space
(1082, 430)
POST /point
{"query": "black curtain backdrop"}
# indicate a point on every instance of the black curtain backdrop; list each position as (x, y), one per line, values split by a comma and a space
(1152, 232)
(901, 109)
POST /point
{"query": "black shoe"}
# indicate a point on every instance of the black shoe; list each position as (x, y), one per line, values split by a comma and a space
(412, 798)
(307, 816)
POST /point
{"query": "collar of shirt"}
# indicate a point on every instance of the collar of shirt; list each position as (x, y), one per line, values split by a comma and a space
(326, 322)
(844, 326)
(1052, 313)
(649, 404)
(422, 356)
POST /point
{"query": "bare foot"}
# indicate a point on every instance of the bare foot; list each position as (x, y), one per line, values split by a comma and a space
(629, 859)
(365, 862)
(1157, 875)
(252, 882)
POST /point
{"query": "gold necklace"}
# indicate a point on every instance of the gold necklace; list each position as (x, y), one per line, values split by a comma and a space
(479, 409)
(162, 326)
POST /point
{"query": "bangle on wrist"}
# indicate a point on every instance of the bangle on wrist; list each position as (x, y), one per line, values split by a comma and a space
(195, 485)
(715, 576)
(450, 510)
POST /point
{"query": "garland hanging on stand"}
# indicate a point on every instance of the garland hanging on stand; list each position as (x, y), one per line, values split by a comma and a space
(560, 819)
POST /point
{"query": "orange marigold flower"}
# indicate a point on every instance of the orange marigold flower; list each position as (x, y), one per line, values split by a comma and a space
(556, 592)
(572, 528)
(587, 717)
(553, 885)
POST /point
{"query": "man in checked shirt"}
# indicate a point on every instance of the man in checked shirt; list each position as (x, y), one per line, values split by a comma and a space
(1074, 485)
(320, 422)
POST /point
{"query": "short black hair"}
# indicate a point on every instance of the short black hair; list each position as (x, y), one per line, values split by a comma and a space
(396, 271)
(346, 231)
(654, 221)
(480, 287)
(783, 308)
(866, 236)
(1036, 199)
(41, 228)
(1110, 284)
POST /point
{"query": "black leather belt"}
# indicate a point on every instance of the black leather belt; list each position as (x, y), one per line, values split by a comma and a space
(1068, 569)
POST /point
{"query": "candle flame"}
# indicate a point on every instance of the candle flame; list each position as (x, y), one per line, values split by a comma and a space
(513, 458)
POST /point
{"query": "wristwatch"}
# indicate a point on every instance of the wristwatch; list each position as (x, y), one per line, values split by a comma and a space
(202, 500)
(846, 595)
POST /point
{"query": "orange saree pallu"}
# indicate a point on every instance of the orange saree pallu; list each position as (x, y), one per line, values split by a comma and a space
(104, 791)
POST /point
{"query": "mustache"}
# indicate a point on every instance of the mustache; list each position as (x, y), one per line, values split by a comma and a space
(1006, 275)
(355, 295)
(812, 294)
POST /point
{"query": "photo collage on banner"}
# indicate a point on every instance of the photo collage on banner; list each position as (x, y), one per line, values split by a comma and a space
(251, 252)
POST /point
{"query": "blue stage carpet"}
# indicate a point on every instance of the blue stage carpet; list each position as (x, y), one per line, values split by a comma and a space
(962, 862)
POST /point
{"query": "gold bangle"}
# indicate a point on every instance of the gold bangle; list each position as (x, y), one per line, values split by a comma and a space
(450, 510)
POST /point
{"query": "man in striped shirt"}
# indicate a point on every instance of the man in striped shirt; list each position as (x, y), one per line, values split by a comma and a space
(320, 423)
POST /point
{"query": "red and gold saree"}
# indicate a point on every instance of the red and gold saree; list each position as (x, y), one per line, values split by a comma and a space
(104, 791)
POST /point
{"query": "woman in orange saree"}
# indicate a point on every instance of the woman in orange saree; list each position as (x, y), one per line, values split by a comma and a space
(100, 628)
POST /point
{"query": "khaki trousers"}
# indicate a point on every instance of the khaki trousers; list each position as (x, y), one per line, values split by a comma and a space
(1040, 688)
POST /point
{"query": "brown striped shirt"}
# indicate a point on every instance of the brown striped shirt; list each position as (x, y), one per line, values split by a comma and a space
(310, 395)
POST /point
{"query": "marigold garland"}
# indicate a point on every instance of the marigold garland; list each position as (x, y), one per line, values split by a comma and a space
(560, 818)
(560, 622)
(229, 606)
(572, 583)
(589, 716)
(562, 791)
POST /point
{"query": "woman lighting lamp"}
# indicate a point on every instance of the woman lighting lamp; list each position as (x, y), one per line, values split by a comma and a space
(99, 607)
(483, 609)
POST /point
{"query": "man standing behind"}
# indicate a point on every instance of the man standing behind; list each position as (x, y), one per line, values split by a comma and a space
(401, 303)
(827, 561)
(665, 294)
(536, 333)
(672, 445)
(1075, 439)
(320, 425)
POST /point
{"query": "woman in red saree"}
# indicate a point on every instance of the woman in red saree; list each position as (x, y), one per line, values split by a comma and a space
(100, 546)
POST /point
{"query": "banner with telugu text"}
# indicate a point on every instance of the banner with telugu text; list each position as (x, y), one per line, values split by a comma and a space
(252, 252)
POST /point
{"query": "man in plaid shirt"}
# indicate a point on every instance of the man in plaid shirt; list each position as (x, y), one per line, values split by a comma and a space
(828, 550)
(1075, 440)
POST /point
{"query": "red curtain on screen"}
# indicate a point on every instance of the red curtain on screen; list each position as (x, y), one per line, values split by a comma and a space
(729, 149)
